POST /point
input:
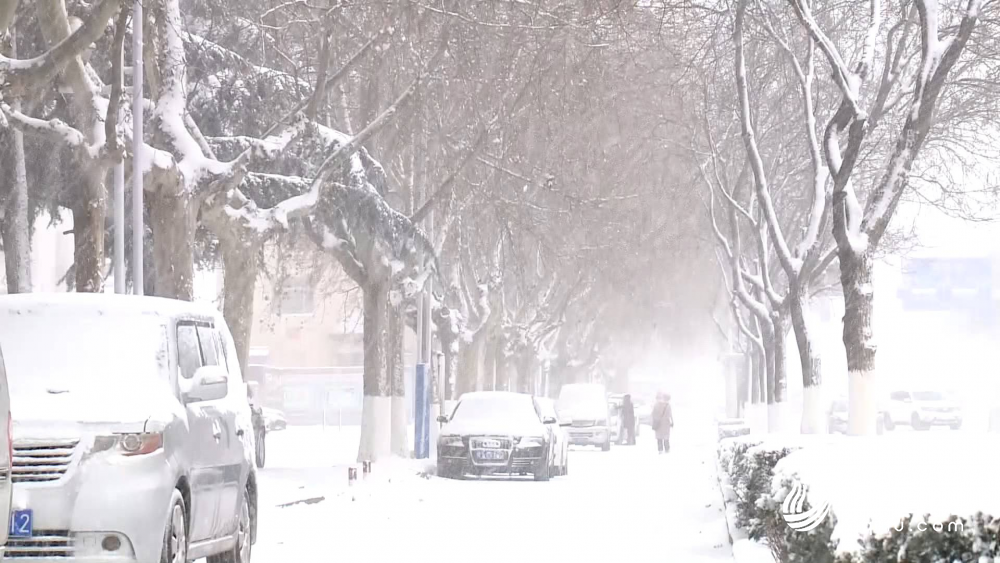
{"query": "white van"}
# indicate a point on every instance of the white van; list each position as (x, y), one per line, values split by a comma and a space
(585, 407)
(6, 457)
(133, 439)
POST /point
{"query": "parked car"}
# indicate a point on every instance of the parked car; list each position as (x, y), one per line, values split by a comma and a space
(585, 407)
(643, 413)
(133, 439)
(837, 417)
(496, 432)
(6, 459)
(922, 410)
(274, 420)
(560, 442)
(259, 424)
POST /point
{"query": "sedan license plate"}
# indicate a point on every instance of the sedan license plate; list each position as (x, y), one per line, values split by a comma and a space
(491, 455)
(21, 524)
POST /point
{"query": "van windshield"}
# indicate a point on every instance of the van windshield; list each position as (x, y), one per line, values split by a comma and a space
(57, 350)
(582, 401)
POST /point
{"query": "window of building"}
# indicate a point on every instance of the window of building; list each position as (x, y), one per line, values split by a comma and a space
(297, 297)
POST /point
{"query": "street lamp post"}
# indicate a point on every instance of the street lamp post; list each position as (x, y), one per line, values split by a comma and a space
(137, 153)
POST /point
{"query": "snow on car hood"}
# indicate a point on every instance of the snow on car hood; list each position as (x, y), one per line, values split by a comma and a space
(92, 404)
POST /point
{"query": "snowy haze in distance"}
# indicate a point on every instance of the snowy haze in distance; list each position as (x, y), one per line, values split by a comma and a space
(947, 350)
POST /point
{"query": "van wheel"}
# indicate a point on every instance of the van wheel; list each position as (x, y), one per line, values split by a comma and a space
(175, 542)
(606, 446)
(240, 553)
(888, 423)
(261, 453)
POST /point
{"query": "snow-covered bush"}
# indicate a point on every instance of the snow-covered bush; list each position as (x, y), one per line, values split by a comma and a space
(973, 538)
(731, 448)
(892, 499)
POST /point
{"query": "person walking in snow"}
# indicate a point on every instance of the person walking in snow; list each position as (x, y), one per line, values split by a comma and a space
(663, 421)
(628, 421)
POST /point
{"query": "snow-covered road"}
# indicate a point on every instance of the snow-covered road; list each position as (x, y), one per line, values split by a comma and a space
(630, 504)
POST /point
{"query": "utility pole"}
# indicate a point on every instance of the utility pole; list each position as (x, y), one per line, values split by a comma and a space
(138, 228)
(119, 254)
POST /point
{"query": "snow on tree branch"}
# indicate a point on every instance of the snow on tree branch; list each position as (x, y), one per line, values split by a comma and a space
(19, 76)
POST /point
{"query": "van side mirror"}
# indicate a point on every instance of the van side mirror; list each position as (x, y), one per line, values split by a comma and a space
(210, 383)
(442, 419)
(549, 420)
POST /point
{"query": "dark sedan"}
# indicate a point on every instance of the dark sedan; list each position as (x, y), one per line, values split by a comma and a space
(496, 432)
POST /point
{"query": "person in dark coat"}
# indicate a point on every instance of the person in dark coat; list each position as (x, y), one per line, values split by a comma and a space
(628, 420)
(663, 421)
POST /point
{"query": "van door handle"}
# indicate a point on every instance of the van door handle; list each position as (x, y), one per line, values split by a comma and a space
(239, 433)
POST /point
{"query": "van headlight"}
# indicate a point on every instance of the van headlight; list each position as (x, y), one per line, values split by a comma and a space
(131, 444)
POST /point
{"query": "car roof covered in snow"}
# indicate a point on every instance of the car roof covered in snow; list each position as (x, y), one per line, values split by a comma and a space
(475, 395)
(105, 303)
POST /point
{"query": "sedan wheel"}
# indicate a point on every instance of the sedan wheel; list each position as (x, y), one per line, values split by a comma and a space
(175, 533)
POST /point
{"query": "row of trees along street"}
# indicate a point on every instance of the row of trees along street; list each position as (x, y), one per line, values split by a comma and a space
(579, 180)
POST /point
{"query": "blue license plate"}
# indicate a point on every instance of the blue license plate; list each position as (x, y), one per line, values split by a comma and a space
(21, 524)
(492, 455)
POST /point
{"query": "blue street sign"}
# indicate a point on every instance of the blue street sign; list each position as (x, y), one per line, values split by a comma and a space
(421, 414)
(943, 284)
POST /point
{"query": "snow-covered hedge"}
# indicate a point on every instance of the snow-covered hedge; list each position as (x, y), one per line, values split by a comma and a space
(918, 497)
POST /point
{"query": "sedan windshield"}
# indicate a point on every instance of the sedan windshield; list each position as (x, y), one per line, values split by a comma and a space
(495, 407)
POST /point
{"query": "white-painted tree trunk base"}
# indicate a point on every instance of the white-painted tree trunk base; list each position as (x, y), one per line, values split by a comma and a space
(756, 415)
(863, 403)
(814, 411)
(376, 432)
(400, 427)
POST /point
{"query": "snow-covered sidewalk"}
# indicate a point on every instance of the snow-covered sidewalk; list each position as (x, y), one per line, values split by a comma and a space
(628, 504)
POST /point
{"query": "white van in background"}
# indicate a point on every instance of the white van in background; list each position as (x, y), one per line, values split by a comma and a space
(6, 458)
(585, 407)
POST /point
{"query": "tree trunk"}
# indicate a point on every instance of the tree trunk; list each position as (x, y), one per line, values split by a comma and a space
(491, 373)
(16, 233)
(526, 373)
(812, 381)
(502, 378)
(238, 287)
(395, 329)
(756, 376)
(856, 272)
(88, 235)
(468, 376)
(173, 226)
(376, 415)
(778, 388)
(451, 356)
